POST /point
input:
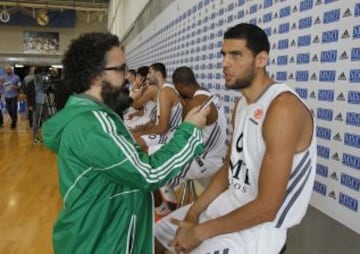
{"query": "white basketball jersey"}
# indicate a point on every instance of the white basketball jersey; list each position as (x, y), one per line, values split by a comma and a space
(150, 110)
(176, 111)
(214, 135)
(248, 149)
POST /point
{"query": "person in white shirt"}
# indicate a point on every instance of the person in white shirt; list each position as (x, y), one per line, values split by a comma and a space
(265, 184)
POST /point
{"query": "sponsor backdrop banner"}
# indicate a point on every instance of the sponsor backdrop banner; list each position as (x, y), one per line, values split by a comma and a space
(315, 48)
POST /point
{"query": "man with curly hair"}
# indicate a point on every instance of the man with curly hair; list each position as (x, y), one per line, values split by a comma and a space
(106, 181)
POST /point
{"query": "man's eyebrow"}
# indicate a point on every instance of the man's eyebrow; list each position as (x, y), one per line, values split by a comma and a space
(231, 52)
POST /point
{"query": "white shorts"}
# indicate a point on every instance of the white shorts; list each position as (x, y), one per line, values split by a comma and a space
(260, 239)
(136, 121)
(156, 140)
(200, 169)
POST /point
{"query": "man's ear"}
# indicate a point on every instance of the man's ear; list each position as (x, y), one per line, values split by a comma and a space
(97, 80)
(261, 59)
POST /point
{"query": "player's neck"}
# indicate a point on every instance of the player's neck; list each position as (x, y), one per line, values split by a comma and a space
(256, 88)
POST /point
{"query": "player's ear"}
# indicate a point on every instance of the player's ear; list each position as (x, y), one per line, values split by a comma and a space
(261, 59)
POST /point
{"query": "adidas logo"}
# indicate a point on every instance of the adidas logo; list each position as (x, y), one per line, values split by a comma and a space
(317, 20)
(347, 13)
(335, 157)
(274, 46)
(292, 59)
(313, 76)
(318, 2)
(275, 15)
(345, 35)
(293, 43)
(342, 76)
(293, 27)
(295, 9)
(315, 58)
(275, 31)
(332, 195)
(337, 137)
(273, 61)
(344, 56)
(340, 97)
(312, 95)
(334, 176)
(316, 39)
(339, 117)
(291, 76)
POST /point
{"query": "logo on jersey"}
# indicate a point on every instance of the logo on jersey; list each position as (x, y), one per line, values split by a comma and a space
(240, 173)
(258, 113)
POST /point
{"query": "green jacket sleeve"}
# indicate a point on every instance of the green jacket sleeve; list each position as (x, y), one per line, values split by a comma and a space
(105, 145)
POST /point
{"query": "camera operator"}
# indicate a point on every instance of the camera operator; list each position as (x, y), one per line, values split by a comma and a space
(36, 98)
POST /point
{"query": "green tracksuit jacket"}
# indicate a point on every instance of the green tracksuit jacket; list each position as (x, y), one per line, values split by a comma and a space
(106, 181)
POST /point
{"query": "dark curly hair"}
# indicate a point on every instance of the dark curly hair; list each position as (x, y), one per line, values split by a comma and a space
(85, 59)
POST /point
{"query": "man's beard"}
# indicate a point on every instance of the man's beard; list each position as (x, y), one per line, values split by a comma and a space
(244, 82)
(110, 95)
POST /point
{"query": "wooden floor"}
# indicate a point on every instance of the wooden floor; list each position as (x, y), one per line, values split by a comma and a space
(29, 196)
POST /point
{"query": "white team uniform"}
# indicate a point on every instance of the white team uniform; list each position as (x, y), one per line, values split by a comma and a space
(175, 120)
(246, 157)
(214, 138)
(149, 115)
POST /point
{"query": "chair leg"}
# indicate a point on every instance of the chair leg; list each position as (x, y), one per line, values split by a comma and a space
(188, 193)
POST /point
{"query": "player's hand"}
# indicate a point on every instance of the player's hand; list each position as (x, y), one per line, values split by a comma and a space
(186, 236)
